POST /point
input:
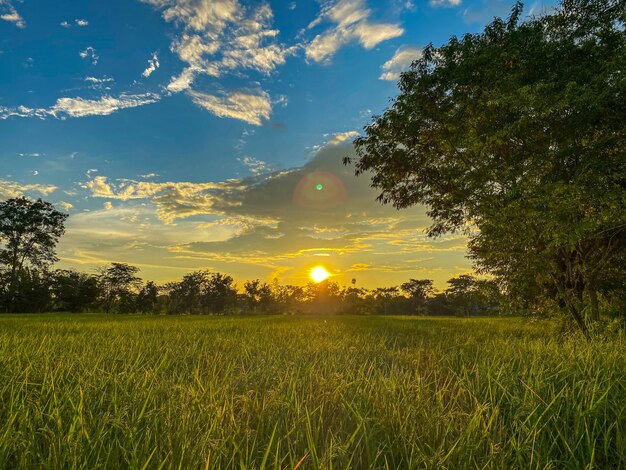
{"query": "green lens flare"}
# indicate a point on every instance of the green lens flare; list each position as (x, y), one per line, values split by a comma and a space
(319, 186)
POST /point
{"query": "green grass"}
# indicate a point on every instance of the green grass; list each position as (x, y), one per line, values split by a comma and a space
(278, 392)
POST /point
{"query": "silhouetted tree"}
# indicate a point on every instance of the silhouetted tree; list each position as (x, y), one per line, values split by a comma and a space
(386, 299)
(119, 285)
(73, 291)
(148, 298)
(29, 233)
(220, 293)
(516, 135)
(258, 296)
(419, 291)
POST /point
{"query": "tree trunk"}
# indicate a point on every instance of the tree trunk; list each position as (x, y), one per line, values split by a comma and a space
(593, 301)
(580, 321)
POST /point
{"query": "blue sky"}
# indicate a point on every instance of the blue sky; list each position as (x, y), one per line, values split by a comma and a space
(174, 132)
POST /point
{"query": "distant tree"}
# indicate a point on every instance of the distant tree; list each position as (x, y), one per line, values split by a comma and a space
(468, 295)
(148, 298)
(385, 297)
(517, 136)
(185, 296)
(73, 291)
(258, 295)
(29, 233)
(288, 298)
(220, 293)
(202, 292)
(354, 300)
(119, 285)
(419, 291)
(323, 297)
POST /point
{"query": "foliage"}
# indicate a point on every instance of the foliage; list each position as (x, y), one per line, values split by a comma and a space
(29, 232)
(119, 285)
(202, 292)
(72, 291)
(418, 290)
(517, 136)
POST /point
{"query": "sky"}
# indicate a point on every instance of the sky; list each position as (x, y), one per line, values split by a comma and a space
(208, 134)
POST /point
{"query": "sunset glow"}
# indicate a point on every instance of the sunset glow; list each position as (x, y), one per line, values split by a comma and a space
(319, 274)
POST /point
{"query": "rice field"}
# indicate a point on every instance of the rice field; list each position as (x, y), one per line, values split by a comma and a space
(97, 391)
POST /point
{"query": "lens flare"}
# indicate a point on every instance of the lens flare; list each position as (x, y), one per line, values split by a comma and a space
(318, 274)
(319, 190)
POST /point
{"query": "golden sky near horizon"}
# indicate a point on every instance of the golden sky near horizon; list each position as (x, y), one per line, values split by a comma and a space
(274, 226)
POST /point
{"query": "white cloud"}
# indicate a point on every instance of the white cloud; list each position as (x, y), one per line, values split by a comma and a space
(220, 36)
(108, 206)
(89, 54)
(78, 22)
(445, 3)
(173, 199)
(400, 62)
(256, 167)
(153, 64)
(11, 189)
(34, 154)
(80, 107)
(248, 107)
(66, 206)
(101, 84)
(199, 15)
(183, 81)
(10, 14)
(351, 20)
(341, 137)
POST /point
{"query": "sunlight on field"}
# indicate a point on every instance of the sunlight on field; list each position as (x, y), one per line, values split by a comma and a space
(360, 392)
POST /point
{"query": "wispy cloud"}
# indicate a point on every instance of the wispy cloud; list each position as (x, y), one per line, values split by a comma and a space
(256, 167)
(66, 206)
(10, 14)
(153, 64)
(174, 199)
(340, 137)
(32, 154)
(445, 3)
(9, 189)
(351, 24)
(248, 107)
(400, 62)
(81, 107)
(77, 22)
(89, 53)
(220, 36)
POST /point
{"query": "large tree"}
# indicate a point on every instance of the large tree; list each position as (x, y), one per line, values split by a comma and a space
(29, 233)
(517, 136)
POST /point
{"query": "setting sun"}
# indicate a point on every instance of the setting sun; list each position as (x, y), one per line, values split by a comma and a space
(318, 274)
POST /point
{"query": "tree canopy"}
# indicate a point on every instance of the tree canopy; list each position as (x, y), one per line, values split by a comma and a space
(517, 137)
(29, 233)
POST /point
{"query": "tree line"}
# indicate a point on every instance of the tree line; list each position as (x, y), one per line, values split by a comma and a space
(30, 231)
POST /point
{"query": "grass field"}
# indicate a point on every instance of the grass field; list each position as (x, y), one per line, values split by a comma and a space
(282, 392)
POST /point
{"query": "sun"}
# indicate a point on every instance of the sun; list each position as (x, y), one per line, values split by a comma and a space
(318, 273)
